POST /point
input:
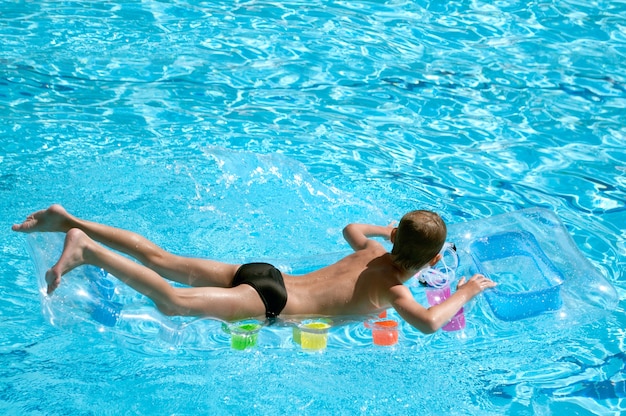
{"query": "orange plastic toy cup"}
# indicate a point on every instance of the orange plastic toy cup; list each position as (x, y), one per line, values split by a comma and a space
(385, 333)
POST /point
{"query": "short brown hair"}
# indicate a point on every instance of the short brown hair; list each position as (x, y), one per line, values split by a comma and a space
(421, 235)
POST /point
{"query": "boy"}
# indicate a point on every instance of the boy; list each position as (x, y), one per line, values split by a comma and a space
(366, 281)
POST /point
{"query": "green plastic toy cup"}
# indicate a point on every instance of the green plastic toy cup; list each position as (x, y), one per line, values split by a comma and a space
(244, 335)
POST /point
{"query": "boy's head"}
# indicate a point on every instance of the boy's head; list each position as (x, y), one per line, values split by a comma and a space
(418, 239)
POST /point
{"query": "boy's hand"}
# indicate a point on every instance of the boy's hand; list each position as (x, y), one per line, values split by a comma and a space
(475, 285)
(390, 228)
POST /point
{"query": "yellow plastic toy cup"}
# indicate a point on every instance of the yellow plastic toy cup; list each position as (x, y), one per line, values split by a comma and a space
(244, 335)
(297, 333)
(314, 335)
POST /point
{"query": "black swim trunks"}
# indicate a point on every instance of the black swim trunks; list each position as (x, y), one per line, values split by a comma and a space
(268, 282)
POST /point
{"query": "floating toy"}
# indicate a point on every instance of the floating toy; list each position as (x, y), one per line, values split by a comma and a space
(244, 334)
(384, 332)
(529, 282)
(539, 271)
(537, 266)
(313, 335)
(316, 333)
(438, 280)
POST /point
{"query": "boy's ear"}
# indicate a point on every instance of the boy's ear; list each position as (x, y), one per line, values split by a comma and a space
(392, 236)
(435, 260)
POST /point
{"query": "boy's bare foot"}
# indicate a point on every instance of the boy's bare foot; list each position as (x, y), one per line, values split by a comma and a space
(74, 248)
(55, 218)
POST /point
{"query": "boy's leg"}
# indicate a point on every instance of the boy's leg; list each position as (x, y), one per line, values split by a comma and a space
(224, 303)
(191, 271)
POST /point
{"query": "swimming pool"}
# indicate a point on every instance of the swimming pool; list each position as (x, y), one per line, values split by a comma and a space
(259, 129)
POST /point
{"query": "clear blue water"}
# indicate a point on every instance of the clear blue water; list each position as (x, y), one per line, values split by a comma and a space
(244, 129)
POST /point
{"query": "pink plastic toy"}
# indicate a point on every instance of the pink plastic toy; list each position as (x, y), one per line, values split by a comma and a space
(438, 289)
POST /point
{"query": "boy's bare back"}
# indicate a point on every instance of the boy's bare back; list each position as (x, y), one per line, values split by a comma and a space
(357, 284)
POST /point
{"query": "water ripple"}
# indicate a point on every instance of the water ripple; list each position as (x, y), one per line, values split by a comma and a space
(472, 109)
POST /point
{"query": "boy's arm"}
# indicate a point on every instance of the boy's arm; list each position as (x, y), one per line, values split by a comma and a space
(431, 319)
(357, 235)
